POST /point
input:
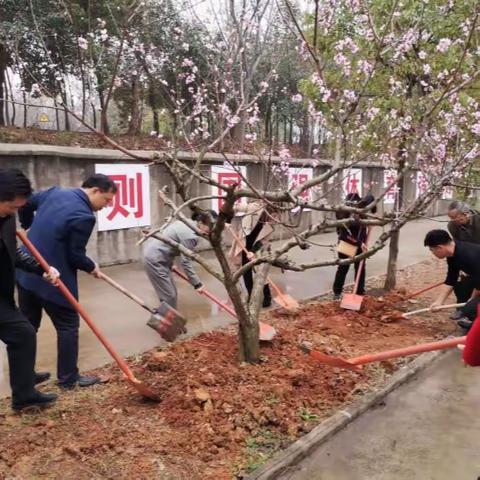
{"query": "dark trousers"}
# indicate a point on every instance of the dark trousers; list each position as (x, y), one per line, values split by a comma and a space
(66, 323)
(248, 280)
(464, 288)
(20, 337)
(341, 275)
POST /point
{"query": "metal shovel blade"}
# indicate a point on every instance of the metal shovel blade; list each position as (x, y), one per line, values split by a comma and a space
(338, 362)
(351, 301)
(168, 322)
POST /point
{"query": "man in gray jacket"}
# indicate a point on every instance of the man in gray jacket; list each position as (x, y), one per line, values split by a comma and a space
(158, 257)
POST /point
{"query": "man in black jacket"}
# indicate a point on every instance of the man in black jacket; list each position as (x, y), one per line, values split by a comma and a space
(15, 330)
(461, 257)
(464, 225)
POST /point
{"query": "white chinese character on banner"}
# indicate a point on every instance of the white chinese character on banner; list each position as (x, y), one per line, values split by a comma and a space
(226, 175)
(130, 206)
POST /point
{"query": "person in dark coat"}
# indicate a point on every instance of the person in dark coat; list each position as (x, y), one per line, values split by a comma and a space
(60, 222)
(354, 234)
(15, 330)
(464, 225)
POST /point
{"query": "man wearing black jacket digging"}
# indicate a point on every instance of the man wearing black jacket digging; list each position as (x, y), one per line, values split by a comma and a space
(461, 257)
(15, 330)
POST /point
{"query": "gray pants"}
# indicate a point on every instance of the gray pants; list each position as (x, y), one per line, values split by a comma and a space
(160, 276)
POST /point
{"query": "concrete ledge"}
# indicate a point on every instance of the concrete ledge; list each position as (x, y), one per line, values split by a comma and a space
(320, 434)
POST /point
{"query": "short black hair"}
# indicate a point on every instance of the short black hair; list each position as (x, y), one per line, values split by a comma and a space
(366, 201)
(434, 238)
(202, 216)
(13, 183)
(102, 182)
(352, 198)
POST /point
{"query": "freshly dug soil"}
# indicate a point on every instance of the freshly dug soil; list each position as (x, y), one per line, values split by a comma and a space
(217, 418)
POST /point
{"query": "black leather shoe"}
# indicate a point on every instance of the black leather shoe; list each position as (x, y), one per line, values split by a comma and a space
(456, 315)
(465, 323)
(41, 377)
(84, 381)
(38, 400)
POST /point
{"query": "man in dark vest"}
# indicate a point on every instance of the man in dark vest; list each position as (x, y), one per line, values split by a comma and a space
(15, 330)
(60, 222)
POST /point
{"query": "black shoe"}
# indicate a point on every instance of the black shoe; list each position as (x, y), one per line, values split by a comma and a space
(266, 304)
(456, 315)
(465, 323)
(39, 400)
(84, 381)
(41, 377)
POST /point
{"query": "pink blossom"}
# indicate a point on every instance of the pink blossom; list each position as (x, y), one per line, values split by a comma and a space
(297, 98)
(476, 129)
(422, 54)
(443, 45)
(427, 69)
(82, 43)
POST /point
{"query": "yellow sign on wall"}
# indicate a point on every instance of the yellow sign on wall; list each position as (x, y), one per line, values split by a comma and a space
(43, 118)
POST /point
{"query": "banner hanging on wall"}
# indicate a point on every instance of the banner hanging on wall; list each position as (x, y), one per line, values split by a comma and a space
(226, 175)
(352, 181)
(131, 205)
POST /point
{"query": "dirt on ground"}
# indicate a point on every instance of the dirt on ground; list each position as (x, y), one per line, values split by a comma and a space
(217, 419)
(131, 142)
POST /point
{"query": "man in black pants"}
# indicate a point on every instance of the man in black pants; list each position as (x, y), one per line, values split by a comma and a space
(252, 245)
(464, 225)
(461, 257)
(15, 330)
(60, 222)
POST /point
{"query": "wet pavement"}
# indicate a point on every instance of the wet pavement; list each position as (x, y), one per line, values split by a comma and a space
(426, 430)
(123, 322)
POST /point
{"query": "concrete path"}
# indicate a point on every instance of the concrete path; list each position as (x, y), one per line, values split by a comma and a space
(427, 430)
(123, 322)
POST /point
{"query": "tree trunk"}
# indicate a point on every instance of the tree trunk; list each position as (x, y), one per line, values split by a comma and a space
(248, 331)
(3, 70)
(135, 117)
(305, 135)
(391, 279)
(14, 110)
(25, 111)
(103, 115)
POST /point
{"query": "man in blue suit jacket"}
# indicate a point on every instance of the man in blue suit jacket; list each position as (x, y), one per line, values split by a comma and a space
(60, 222)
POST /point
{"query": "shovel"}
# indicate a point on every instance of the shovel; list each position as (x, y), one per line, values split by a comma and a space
(423, 290)
(424, 310)
(166, 321)
(354, 363)
(140, 386)
(352, 301)
(266, 333)
(282, 298)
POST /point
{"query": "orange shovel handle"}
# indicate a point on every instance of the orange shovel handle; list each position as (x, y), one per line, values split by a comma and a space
(403, 352)
(208, 294)
(73, 301)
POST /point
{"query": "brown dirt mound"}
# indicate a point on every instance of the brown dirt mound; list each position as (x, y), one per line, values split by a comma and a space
(216, 416)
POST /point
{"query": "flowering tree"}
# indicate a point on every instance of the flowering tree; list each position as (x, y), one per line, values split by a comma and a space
(369, 86)
(392, 81)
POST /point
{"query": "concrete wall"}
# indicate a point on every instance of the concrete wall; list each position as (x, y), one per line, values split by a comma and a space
(68, 166)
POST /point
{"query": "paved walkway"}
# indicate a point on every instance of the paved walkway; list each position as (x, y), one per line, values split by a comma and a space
(123, 322)
(427, 430)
